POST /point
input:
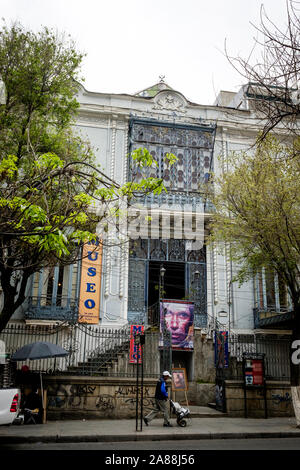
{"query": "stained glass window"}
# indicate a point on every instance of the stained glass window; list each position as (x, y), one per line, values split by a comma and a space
(193, 147)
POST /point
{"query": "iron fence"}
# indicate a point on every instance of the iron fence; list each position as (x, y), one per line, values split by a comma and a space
(275, 349)
(92, 350)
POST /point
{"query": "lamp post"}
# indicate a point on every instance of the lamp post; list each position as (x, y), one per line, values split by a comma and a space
(197, 294)
(165, 335)
(161, 281)
(139, 341)
(161, 290)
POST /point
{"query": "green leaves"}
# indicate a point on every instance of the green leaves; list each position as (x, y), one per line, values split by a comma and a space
(257, 205)
(8, 167)
(53, 194)
(83, 199)
(143, 158)
(49, 161)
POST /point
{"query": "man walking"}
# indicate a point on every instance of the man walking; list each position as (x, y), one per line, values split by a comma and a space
(161, 401)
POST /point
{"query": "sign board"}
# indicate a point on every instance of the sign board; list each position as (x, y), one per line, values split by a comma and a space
(254, 377)
(179, 380)
(90, 283)
(135, 355)
(253, 366)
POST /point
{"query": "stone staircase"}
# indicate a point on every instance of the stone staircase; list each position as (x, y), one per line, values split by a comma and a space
(102, 363)
(110, 356)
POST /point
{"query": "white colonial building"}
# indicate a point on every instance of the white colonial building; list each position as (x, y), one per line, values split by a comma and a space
(161, 256)
(162, 120)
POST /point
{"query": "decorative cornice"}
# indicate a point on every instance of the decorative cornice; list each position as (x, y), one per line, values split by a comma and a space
(168, 100)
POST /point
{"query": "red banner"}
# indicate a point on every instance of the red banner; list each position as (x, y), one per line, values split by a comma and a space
(257, 368)
(135, 350)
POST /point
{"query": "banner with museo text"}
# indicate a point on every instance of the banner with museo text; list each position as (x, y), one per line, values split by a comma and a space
(90, 283)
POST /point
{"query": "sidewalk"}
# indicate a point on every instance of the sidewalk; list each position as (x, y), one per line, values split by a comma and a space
(125, 430)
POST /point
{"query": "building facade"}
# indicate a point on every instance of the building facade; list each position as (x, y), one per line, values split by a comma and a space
(162, 120)
(129, 277)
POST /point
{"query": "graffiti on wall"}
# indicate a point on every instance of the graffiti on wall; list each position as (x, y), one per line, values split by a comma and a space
(105, 402)
(60, 396)
(130, 391)
(286, 398)
(73, 396)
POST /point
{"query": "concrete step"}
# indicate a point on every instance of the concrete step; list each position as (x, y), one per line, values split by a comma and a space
(212, 405)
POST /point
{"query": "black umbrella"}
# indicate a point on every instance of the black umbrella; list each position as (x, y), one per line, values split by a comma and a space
(39, 350)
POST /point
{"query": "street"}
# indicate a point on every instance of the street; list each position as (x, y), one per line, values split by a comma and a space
(205, 444)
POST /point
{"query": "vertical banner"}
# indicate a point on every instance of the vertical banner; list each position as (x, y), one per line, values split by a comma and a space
(221, 349)
(90, 284)
(135, 350)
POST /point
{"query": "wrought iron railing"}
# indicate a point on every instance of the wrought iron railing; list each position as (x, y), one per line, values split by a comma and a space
(276, 351)
(154, 314)
(265, 317)
(45, 307)
(92, 350)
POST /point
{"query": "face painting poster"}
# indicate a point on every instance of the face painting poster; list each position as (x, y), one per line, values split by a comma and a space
(177, 319)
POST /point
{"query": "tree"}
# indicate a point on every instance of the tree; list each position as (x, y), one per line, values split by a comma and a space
(52, 194)
(274, 77)
(257, 205)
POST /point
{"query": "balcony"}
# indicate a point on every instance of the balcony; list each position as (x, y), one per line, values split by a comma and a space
(282, 319)
(44, 308)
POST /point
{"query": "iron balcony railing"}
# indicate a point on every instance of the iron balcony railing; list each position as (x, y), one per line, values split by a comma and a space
(61, 308)
(271, 317)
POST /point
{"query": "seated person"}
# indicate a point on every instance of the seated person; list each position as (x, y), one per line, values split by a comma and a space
(32, 403)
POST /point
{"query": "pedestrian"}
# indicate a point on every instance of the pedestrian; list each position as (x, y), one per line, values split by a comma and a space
(161, 401)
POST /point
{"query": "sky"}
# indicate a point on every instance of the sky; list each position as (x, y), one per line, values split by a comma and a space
(130, 43)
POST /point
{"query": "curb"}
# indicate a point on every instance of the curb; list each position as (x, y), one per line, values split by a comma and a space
(146, 437)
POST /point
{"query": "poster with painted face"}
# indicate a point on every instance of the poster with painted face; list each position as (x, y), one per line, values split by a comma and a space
(178, 318)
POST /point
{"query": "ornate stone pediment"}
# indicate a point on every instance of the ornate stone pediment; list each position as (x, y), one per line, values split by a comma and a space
(170, 101)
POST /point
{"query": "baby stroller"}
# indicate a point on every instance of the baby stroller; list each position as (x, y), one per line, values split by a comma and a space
(182, 413)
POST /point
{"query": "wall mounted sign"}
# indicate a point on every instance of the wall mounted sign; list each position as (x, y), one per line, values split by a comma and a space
(253, 371)
(90, 284)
